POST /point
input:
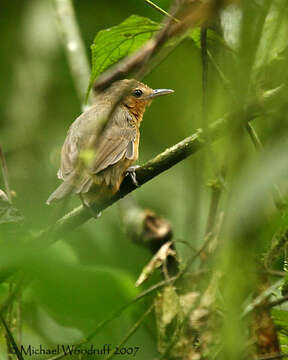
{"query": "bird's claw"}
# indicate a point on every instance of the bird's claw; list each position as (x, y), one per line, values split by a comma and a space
(88, 206)
(97, 216)
(93, 213)
(131, 172)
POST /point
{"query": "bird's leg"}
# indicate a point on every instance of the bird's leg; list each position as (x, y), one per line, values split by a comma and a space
(131, 172)
(87, 205)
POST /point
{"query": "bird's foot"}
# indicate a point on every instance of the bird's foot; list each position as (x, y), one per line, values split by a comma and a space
(131, 172)
(88, 206)
(95, 215)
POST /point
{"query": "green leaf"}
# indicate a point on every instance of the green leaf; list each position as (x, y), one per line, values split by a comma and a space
(73, 293)
(111, 45)
(280, 318)
(212, 37)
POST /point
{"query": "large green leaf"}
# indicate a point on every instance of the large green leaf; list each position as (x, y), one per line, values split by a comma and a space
(73, 293)
(111, 45)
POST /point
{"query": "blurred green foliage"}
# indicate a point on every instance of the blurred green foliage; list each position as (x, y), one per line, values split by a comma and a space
(81, 280)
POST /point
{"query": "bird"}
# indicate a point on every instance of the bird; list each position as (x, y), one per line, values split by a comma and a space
(95, 160)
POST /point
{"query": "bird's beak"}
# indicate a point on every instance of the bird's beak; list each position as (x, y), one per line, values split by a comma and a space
(160, 92)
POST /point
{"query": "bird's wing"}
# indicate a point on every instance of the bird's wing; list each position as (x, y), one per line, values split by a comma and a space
(69, 155)
(116, 140)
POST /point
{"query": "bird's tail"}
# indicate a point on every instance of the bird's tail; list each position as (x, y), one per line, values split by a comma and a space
(61, 192)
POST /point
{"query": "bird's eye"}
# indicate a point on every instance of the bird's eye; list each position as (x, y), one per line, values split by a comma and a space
(137, 93)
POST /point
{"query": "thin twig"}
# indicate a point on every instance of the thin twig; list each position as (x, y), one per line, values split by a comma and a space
(9, 319)
(124, 307)
(272, 357)
(11, 297)
(254, 137)
(262, 298)
(216, 190)
(74, 47)
(187, 243)
(204, 59)
(276, 193)
(278, 301)
(11, 339)
(116, 314)
(276, 273)
(226, 83)
(161, 11)
(5, 175)
(19, 319)
(194, 257)
(131, 331)
(6, 306)
(277, 196)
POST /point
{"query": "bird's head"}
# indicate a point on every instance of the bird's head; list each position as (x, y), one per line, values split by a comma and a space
(137, 95)
(141, 95)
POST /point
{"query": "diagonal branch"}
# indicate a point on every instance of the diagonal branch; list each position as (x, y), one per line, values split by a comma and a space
(11, 340)
(165, 161)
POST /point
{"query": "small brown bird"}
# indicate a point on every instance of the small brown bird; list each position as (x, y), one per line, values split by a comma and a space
(94, 162)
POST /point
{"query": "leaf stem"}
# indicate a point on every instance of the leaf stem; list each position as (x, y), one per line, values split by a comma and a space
(162, 11)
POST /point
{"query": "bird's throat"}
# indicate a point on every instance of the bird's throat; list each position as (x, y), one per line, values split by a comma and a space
(137, 111)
